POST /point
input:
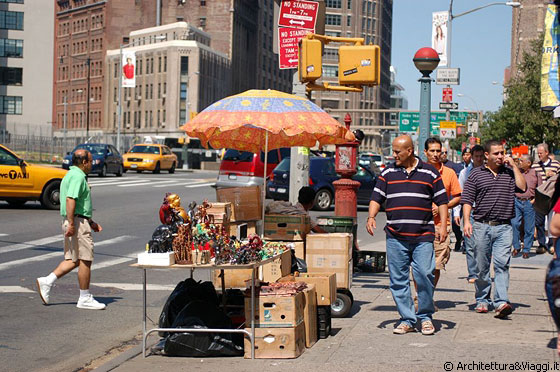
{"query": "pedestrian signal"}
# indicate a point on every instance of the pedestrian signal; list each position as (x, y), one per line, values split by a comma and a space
(359, 65)
(310, 66)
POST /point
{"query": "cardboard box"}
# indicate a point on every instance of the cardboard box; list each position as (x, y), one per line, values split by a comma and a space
(331, 253)
(220, 211)
(156, 259)
(325, 285)
(310, 315)
(276, 311)
(277, 343)
(242, 229)
(234, 278)
(278, 268)
(286, 227)
(246, 202)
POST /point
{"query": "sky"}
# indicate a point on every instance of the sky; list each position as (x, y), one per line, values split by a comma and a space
(481, 45)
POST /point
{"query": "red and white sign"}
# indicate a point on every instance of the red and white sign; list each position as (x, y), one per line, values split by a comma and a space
(298, 13)
(447, 95)
(288, 39)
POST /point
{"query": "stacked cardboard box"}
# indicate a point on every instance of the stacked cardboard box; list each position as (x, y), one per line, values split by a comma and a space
(220, 214)
(288, 229)
(279, 326)
(331, 253)
(246, 209)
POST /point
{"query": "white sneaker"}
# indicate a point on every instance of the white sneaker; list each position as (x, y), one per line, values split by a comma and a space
(90, 303)
(44, 289)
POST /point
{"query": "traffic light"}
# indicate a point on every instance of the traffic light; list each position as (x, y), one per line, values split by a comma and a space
(359, 65)
(310, 60)
(478, 140)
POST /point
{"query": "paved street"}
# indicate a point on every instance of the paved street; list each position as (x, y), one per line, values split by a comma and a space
(31, 245)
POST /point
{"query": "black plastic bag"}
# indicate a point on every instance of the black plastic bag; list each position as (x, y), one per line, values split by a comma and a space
(202, 315)
(185, 292)
(298, 264)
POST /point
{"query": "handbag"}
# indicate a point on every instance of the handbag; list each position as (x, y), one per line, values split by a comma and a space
(544, 195)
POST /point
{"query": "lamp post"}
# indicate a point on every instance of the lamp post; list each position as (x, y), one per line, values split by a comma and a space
(426, 60)
(513, 4)
(88, 64)
(65, 103)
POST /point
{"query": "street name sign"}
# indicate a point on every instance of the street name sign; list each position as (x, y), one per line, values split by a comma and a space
(448, 105)
(288, 39)
(298, 13)
(447, 76)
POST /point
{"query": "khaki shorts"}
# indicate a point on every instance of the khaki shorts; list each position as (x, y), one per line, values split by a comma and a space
(80, 245)
(442, 251)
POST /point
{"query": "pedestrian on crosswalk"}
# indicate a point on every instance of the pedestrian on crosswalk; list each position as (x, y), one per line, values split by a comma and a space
(77, 225)
(489, 190)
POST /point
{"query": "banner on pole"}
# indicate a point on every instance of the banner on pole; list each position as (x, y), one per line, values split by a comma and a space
(128, 64)
(439, 36)
(550, 86)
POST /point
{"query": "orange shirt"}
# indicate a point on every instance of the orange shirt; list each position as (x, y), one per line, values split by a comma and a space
(451, 184)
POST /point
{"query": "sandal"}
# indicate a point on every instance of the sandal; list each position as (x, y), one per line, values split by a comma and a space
(403, 328)
(428, 328)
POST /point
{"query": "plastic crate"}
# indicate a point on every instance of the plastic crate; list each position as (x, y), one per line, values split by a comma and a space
(371, 261)
(335, 224)
(324, 324)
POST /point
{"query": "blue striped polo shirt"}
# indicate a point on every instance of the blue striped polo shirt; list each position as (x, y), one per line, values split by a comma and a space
(409, 198)
(492, 197)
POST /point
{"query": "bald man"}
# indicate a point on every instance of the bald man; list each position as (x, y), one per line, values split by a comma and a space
(77, 225)
(409, 187)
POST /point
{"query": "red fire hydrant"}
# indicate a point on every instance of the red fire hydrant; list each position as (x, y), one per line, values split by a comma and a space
(346, 199)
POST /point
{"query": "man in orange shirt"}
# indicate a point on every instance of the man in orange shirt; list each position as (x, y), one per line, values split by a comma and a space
(432, 149)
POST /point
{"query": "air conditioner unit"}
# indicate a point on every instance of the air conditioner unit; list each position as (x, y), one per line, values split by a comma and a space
(138, 98)
(163, 125)
(163, 95)
(128, 126)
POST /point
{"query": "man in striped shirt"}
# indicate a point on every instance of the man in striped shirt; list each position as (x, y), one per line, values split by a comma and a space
(490, 188)
(410, 186)
(545, 168)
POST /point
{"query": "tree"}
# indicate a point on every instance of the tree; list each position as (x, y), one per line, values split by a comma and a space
(520, 119)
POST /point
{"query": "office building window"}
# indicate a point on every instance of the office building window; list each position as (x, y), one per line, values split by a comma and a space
(333, 19)
(11, 48)
(330, 71)
(349, 5)
(11, 75)
(334, 4)
(202, 2)
(348, 20)
(12, 1)
(11, 105)
(11, 20)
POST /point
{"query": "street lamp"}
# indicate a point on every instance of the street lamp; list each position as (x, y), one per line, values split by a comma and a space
(88, 64)
(426, 60)
(119, 89)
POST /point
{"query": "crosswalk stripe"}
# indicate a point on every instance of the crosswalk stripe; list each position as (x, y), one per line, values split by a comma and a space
(14, 289)
(58, 253)
(4, 234)
(114, 183)
(116, 261)
(136, 286)
(171, 184)
(39, 243)
(112, 180)
(200, 185)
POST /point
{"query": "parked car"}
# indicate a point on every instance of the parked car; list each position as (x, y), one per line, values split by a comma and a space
(322, 174)
(106, 159)
(241, 168)
(21, 181)
(150, 157)
(367, 158)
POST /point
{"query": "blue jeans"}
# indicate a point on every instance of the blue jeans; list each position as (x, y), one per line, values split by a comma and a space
(493, 243)
(539, 224)
(400, 256)
(470, 252)
(523, 210)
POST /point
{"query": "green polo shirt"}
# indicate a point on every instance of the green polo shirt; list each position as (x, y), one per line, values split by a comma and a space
(74, 185)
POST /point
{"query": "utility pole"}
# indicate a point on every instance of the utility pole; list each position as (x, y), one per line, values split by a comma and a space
(88, 63)
(64, 121)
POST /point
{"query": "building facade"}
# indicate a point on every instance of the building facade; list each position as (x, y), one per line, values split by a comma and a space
(177, 74)
(86, 29)
(26, 66)
(372, 21)
(527, 24)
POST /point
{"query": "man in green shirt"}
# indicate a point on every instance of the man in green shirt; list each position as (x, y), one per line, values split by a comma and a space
(77, 225)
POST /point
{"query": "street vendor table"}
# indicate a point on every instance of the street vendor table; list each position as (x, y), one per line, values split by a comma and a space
(251, 335)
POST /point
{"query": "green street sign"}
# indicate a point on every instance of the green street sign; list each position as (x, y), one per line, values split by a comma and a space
(409, 121)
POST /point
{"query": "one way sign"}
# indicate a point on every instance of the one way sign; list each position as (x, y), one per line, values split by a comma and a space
(448, 106)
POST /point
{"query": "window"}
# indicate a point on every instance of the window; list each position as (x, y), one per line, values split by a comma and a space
(330, 71)
(11, 105)
(334, 4)
(332, 33)
(12, 1)
(333, 19)
(349, 5)
(202, 22)
(11, 48)
(6, 158)
(11, 20)
(348, 20)
(202, 2)
(10, 76)
(164, 64)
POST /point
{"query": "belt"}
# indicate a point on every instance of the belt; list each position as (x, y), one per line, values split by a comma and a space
(84, 217)
(495, 222)
(524, 199)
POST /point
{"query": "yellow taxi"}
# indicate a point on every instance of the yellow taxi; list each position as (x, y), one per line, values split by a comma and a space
(21, 181)
(150, 157)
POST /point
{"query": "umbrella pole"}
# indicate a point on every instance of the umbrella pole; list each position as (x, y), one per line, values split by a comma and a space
(264, 177)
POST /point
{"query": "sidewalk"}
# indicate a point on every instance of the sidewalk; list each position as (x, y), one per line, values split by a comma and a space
(365, 342)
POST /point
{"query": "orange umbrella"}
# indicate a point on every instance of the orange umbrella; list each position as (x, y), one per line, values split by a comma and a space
(244, 121)
(258, 120)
